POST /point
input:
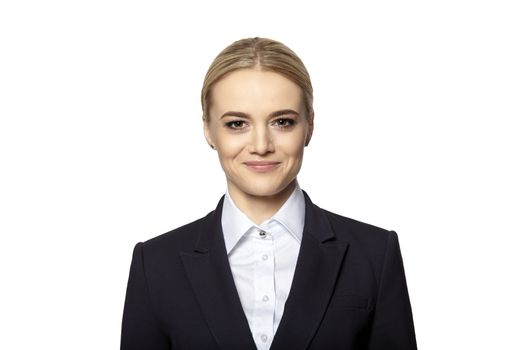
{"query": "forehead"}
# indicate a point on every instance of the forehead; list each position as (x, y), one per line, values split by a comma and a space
(248, 89)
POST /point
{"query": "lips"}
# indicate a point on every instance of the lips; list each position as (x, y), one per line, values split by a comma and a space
(262, 166)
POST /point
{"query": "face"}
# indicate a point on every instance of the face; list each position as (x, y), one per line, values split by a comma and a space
(258, 125)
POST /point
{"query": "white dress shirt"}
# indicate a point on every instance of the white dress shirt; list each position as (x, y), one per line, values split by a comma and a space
(262, 259)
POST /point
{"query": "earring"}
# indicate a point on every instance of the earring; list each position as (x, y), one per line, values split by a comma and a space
(212, 146)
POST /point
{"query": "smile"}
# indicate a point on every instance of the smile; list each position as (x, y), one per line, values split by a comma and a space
(262, 167)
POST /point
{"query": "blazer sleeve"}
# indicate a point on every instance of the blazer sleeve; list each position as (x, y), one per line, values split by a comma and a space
(140, 328)
(392, 325)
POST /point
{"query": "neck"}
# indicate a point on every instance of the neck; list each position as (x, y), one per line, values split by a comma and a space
(260, 208)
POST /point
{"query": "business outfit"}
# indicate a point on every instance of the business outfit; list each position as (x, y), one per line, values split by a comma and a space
(348, 290)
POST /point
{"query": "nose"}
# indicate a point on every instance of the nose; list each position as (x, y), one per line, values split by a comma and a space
(262, 142)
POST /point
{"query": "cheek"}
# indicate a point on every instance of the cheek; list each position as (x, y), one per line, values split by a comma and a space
(229, 147)
(293, 146)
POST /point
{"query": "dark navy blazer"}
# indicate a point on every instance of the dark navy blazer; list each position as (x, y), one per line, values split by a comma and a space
(348, 291)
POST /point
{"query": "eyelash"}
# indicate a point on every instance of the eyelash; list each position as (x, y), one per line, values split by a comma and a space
(287, 121)
(232, 123)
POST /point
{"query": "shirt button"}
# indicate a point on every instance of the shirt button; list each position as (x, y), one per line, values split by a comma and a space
(265, 298)
(264, 338)
(265, 257)
(262, 234)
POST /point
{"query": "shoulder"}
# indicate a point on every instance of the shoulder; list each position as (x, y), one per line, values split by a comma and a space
(345, 228)
(355, 227)
(362, 237)
(182, 238)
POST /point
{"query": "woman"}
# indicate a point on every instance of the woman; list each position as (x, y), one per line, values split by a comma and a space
(266, 268)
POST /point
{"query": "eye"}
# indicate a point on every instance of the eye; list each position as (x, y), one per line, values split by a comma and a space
(284, 122)
(236, 124)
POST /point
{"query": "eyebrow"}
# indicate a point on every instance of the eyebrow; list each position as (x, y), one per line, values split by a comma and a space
(272, 115)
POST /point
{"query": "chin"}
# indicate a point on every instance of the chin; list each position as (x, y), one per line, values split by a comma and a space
(264, 189)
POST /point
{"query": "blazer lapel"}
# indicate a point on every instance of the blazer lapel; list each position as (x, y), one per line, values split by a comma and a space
(318, 265)
(210, 276)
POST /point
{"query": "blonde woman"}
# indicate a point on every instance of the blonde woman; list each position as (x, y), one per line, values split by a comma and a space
(267, 268)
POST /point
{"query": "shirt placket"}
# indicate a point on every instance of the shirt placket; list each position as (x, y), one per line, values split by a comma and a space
(264, 291)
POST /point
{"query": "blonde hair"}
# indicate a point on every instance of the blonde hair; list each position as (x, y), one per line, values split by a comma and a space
(258, 53)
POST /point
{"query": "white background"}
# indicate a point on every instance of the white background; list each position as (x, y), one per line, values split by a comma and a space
(419, 111)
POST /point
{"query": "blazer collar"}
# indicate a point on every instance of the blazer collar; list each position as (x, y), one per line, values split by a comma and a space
(210, 234)
(316, 222)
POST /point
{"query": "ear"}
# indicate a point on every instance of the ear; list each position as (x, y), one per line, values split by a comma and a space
(310, 130)
(207, 134)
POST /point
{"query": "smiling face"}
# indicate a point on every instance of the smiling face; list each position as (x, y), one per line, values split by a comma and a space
(259, 127)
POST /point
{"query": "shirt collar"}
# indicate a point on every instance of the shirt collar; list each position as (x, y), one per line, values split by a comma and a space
(235, 223)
